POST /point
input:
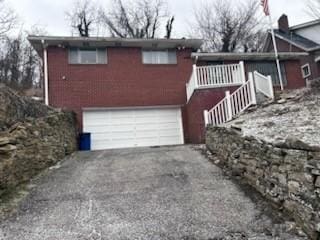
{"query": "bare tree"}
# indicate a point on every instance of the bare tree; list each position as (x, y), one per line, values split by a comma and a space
(83, 17)
(313, 8)
(32, 67)
(8, 18)
(169, 27)
(20, 65)
(229, 28)
(138, 19)
(10, 63)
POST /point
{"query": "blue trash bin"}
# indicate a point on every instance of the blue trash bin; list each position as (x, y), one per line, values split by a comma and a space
(85, 142)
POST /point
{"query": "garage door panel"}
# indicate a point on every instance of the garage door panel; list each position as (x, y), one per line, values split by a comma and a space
(109, 128)
(99, 138)
(168, 136)
(110, 122)
(113, 135)
(145, 126)
(120, 121)
(133, 127)
(142, 118)
(122, 143)
(149, 134)
(169, 125)
(109, 125)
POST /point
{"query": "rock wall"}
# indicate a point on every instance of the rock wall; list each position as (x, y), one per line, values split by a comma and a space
(287, 174)
(14, 108)
(33, 137)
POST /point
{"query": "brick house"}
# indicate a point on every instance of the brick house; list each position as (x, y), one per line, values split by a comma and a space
(145, 92)
(300, 38)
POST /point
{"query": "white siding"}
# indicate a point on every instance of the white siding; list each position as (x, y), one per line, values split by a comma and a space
(311, 33)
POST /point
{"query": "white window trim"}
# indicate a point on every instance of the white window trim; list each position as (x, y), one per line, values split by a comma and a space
(309, 70)
(79, 57)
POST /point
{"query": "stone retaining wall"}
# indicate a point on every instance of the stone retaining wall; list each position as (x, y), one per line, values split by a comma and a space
(32, 138)
(287, 174)
(28, 147)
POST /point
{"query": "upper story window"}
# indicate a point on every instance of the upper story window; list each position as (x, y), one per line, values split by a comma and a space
(159, 57)
(87, 56)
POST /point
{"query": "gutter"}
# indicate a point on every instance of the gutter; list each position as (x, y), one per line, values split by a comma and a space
(246, 56)
(45, 69)
(111, 41)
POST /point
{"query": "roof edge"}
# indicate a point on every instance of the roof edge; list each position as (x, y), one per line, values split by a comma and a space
(72, 38)
(297, 45)
(249, 56)
(125, 42)
(305, 25)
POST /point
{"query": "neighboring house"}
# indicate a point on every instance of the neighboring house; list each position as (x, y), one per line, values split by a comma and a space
(301, 38)
(207, 96)
(145, 92)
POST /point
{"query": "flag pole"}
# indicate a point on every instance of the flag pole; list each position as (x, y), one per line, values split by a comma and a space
(275, 50)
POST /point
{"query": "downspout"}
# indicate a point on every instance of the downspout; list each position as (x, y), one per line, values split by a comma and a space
(45, 69)
(291, 36)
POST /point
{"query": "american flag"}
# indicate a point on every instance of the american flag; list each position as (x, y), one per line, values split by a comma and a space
(265, 6)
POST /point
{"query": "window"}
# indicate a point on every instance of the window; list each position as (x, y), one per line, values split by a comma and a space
(306, 72)
(87, 56)
(159, 57)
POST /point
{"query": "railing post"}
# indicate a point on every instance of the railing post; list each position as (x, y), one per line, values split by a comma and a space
(271, 87)
(243, 72)
(229, 108)
(195, 75)
(252, 89)
(206, 118)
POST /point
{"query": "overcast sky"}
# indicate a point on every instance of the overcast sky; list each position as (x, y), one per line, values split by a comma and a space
(50, 14)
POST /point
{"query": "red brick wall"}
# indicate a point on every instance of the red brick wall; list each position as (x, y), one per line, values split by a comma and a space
(123, 82)
(294, 75)
(200, 101)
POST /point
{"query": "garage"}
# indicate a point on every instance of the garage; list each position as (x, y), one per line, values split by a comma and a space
(139, 127)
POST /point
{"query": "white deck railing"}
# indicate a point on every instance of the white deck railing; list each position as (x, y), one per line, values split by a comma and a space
(232, 105)
(264, 84)
(215, 76)
(192, 84)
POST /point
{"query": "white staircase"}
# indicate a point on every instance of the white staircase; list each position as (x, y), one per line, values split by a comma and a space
(234, 104)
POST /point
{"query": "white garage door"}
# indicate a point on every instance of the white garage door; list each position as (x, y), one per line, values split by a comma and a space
(124, 128)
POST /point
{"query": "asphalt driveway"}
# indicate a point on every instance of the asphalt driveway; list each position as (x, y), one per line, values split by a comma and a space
(148, 193)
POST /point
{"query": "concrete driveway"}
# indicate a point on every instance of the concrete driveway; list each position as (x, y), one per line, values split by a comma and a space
(148, 193)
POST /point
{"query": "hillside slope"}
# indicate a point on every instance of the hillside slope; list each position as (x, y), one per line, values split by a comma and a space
(295, 117)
